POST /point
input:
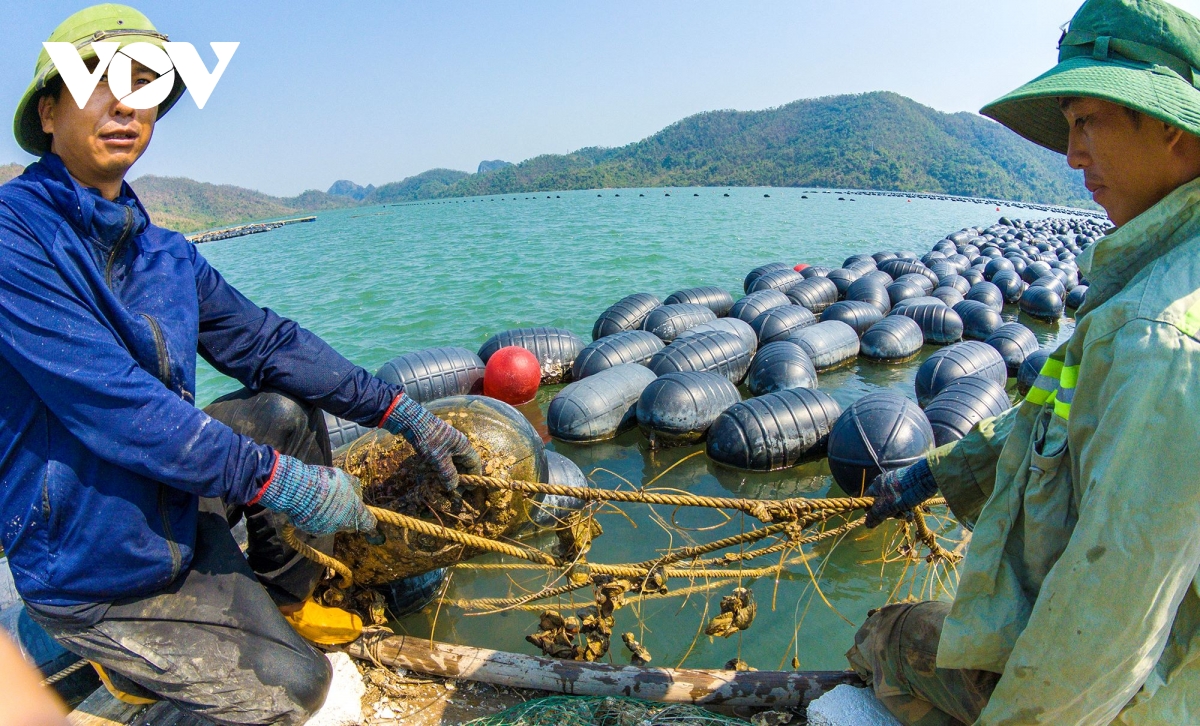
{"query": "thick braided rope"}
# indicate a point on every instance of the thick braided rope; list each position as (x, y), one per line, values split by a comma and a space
(290, 538)
(420, 526)
(763, 509)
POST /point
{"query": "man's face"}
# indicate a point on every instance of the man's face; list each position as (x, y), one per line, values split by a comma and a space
(100, 141)
(1128, 163)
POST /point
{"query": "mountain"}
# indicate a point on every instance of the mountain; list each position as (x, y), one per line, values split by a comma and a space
(426, 185)
(486, 166)
(9, 171)
(346, 188)
(186, 205)
(874, 140)
(877, 140)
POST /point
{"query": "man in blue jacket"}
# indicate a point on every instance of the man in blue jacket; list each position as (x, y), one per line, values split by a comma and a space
(114, 487)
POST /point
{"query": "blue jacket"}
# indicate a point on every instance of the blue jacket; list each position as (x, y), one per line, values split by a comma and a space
(103, 454)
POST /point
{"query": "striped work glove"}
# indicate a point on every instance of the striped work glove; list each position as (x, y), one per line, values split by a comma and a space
(434, 440)
(319, 499)
(899, 490)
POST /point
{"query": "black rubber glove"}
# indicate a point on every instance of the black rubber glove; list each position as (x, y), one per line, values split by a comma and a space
(899, 490)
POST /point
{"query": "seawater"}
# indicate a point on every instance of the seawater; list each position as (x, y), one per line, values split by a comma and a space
(380, 281)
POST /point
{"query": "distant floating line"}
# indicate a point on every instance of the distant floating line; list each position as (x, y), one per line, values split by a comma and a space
(245, 229)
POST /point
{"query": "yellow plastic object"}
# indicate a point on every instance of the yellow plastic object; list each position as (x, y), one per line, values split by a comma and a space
(325, 625)
(116, 692)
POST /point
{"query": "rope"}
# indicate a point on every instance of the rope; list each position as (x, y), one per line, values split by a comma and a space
(792, 510)
(765, 510)
(290, 538)
(66, 672)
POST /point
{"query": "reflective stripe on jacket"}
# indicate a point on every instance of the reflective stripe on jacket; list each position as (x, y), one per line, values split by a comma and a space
(1080, 584)
(102, 452)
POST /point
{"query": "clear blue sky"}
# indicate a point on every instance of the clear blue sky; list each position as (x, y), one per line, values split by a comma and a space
(376, 91)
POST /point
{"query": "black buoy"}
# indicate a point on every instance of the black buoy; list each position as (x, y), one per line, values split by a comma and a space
(677, 408)
(1031, 368)
(969, 358)
(761, 270)
(949, 295)
(828, 344)
(902, 290)
(1010, 285)
(870, 290)
(1014, 342)
(997, 264)
(878, 432)
(779, 323)
(962, 404)
(775, 431)
(756, 303)
(979, 320)
(894, 339)
(715, 350)
(939, 324)
(668, 321)
(842, 278)
(628, 313)
(599, 406)
(548, 510)
(435, 373)
(627, 346)
(740, 328)
(778, 366)
(710, 296)
(343, 432)
(1075, 297)
(815, 293)
(988, 294)
(815, 271)
(1042, 303)
(855, 313)
(555, 349)
(775, 280)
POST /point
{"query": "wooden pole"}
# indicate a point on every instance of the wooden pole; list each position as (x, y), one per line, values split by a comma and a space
(666, 685)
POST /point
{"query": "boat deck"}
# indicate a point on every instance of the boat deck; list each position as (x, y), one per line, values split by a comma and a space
(101, 709)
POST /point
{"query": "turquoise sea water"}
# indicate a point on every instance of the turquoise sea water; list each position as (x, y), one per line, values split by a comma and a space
(381, 281)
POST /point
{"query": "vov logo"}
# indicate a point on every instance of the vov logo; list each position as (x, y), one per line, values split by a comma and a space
(165, 61)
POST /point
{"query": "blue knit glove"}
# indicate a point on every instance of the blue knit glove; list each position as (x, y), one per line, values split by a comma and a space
(319, 499)
(434, 440)
(899, 491)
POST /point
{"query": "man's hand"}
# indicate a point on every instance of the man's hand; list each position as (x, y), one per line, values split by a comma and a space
(899, 491)
(434, 440)
(319, 499)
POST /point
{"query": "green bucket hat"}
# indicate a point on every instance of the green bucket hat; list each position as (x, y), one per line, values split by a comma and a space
(107, 22)
(1141, 54)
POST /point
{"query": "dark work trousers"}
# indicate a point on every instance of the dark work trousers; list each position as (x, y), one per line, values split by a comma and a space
(214, 642)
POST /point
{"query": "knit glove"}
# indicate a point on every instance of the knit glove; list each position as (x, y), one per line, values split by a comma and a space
(434, 440)
(899, 490)
(319, 499)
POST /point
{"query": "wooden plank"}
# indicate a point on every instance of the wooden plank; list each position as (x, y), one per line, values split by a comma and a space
(101, 709)
(668, 685)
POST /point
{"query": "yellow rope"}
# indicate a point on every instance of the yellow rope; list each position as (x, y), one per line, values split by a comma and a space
(764, 509)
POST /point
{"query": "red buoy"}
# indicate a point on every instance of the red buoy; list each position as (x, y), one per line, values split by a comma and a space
(800, 267)
(512, 375)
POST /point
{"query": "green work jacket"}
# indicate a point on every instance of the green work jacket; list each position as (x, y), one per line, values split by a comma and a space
(1080, 585)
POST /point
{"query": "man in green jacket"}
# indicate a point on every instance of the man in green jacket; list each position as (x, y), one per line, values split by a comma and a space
(1077, 602)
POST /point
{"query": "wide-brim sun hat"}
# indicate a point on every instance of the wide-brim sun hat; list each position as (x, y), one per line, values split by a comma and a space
(1141, 54)
(108, 22)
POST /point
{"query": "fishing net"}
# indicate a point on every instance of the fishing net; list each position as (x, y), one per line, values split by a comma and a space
(602, 711)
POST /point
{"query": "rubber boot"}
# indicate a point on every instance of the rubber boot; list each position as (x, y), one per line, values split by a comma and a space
(117, 693)
(324, 625)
